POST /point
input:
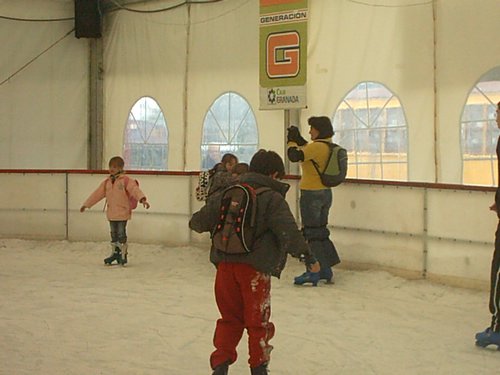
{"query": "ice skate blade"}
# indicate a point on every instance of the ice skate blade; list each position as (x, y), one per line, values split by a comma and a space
(305, 285)
(484, 344)
(112, 265)
(310, 283)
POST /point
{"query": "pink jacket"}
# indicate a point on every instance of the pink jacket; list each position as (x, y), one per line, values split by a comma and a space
(118, 206)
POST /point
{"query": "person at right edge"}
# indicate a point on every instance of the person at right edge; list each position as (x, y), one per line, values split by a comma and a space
(315, 198)
(491, 335)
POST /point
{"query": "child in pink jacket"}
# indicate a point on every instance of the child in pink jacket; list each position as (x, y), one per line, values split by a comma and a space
(117, 189)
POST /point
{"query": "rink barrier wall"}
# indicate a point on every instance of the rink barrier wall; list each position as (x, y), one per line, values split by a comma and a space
(438, 231)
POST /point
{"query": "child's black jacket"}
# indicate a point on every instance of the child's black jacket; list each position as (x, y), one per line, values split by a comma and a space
(277, 231)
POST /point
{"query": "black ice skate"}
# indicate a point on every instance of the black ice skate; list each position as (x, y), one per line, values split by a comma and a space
(221, 369)
(115, 255)
(261, 370)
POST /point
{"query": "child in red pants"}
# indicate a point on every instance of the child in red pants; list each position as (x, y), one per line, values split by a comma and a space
(243, 281)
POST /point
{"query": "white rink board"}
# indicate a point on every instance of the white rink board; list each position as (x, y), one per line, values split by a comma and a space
(376, 207)
(379, 249)
(33, 205)
(440, 232)
(34, 224)
(463, 215)
(33, 191)
(456, 259)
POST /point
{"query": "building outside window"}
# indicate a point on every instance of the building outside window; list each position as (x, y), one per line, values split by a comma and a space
(229, 127)
(146, 137)
(370, 123)
(479, 132)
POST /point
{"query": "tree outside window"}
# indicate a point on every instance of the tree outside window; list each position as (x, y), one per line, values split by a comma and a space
(370, 123)
(479, 132)
(229, 127)
(146, 137)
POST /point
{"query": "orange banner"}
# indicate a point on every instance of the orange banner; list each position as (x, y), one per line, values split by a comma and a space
(283, 53)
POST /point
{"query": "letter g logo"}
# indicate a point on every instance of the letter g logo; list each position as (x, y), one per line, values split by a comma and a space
(283, 55)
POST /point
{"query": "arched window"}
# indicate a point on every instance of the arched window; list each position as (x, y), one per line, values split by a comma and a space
(371, 125)
(479, 132)
(146, 137)
(229, 126)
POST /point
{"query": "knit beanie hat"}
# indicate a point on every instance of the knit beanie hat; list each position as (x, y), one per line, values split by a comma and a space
(323, 125)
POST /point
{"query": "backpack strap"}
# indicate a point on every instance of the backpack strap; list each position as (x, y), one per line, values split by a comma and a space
(330, 146)
(258, 191)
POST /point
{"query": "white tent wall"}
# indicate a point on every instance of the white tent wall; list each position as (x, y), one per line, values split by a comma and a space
(351, 42)
(145, 55)
(465, 50)
(429, 55)
(184, 77)
(43, 108)
(224, 56)
(164, 55)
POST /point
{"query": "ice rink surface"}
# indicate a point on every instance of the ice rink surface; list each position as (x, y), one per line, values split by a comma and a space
(62, 312)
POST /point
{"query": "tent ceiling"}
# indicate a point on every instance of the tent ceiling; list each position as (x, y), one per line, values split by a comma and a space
(124, 2)
(111, 4)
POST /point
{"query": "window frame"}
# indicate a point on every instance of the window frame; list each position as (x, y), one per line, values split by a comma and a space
(148, 148)
(374, 159)
(230, 145)
(488, 129)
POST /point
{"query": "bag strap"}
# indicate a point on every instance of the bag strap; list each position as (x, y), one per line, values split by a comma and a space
(330, 146)
(258, 191)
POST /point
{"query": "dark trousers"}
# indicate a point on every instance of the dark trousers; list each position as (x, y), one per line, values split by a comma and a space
(314, 208)
(495, 284)
(118, 231)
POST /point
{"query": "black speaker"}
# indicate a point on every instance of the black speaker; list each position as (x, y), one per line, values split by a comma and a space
(87, 19)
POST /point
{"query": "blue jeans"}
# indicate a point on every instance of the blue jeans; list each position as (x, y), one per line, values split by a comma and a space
(314, 208)
(118, 231)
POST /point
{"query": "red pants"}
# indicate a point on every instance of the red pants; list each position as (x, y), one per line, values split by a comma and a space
(243, 296)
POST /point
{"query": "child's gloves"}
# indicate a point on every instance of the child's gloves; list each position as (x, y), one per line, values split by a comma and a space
(145, 203)
(293, 135)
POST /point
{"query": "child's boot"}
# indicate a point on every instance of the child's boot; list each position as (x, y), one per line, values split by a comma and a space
(307, 277)
(221, 369)
(261, 370)
(115, 254)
